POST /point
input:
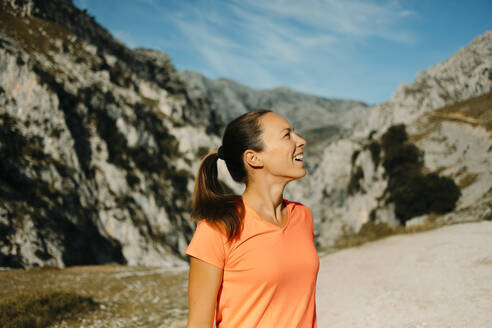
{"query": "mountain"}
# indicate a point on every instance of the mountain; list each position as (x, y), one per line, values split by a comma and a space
(446, 112)
(98, 144)
(446, 116)
(306, 112)
(319, 120)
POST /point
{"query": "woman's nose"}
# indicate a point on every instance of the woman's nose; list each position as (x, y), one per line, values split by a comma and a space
(301, 142)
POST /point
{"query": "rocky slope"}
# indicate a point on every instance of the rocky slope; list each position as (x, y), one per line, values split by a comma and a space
(98, 143)
(447, 115)
(306, 112)
(319, 120)
(452, 139)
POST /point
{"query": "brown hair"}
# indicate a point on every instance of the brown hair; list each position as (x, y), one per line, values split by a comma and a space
(210, 202)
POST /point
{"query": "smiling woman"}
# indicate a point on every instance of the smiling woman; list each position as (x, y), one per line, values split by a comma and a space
(253, 262)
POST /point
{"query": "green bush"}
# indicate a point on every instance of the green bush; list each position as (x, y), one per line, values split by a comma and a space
(410, 195)
(420, 194)
(394, 136)
(41, 309)
(402, 156)
(413, 192)
(444, 193)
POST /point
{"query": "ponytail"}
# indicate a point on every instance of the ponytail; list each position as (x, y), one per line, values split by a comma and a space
(210, 202)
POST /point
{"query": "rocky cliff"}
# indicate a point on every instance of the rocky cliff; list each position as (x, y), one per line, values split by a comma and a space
(98, 143)
(447, 115)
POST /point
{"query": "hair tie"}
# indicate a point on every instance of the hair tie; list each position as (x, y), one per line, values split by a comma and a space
(221, 152)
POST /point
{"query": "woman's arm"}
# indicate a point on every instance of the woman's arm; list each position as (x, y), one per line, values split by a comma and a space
(203, 285)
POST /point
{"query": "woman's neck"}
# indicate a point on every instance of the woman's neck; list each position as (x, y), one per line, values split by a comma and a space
(265, 198)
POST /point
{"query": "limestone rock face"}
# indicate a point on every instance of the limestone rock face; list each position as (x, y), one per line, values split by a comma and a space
(443, 117)
(446, 112)
(319, 120)
(99, 144)
(467, 74)
(304, 111)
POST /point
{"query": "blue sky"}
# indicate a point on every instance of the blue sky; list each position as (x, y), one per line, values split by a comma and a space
(350, 49)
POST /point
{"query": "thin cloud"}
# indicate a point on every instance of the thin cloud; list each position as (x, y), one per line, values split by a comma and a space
(225, 56)
(353, 18)
(264, 43)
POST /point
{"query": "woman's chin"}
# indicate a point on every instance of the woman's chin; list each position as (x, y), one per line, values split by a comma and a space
(301, 174)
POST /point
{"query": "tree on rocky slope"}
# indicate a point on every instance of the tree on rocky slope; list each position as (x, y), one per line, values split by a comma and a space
(414, 192)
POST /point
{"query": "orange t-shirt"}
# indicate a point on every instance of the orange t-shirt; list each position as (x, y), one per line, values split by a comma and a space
(269, 277)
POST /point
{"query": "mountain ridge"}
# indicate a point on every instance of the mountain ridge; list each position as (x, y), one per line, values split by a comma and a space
(100, 143)
(451, 147)
(96, 164)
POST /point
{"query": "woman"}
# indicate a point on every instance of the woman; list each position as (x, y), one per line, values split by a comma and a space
(252, 258)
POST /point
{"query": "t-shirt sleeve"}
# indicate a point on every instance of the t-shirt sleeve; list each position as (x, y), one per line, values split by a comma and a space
(207, 244)
(310, 220)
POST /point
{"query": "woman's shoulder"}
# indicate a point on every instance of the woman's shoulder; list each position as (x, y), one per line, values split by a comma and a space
(209, 225)
(297, 206)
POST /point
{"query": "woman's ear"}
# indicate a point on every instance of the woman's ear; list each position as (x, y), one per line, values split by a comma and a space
(253, 158)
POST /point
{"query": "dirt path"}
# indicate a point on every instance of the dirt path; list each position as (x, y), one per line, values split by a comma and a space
(439, 278)
(148, 297)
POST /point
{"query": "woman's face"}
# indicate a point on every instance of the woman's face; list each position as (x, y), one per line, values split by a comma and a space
(283, 148)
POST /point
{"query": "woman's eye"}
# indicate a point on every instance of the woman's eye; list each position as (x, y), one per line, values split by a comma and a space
(287, 134)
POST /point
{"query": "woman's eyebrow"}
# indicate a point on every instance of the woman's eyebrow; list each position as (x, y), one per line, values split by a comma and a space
(289, 129)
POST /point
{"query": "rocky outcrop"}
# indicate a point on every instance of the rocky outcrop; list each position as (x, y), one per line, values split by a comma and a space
(465, 75)
(305, 112)
(99, 144)
(442, 111)
(446, 112)
(319, 120)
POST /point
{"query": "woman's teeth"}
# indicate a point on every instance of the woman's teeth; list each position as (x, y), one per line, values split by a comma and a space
(298, 158)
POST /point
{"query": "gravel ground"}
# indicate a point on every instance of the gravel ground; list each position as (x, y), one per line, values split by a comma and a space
(438, 278)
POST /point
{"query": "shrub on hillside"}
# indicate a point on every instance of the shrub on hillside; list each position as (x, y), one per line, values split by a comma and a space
(402, 157)
(394, 136)
(418, 194)
(444, 193)
(413, 192)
